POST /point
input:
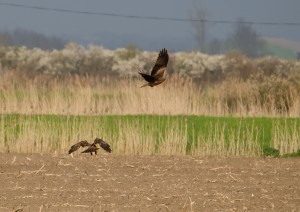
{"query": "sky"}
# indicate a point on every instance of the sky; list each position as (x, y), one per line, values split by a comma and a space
(112, 31)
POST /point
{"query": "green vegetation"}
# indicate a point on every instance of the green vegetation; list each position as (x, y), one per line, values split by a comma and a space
(152, 134)
(280, 51)
(293, 154)
(270, 151)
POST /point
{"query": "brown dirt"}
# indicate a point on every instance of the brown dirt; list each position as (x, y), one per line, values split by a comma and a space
(34, 182)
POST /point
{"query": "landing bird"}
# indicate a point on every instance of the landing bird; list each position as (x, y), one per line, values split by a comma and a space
(91, 147)
(158, 70)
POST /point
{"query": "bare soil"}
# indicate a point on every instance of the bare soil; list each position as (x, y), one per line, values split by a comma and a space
(34, 182)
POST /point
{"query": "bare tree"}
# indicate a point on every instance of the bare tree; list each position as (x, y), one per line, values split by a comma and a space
(246, 40)
(200, 24)
(198, 15)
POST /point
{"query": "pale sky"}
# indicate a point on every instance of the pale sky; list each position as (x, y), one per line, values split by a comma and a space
(148, 33)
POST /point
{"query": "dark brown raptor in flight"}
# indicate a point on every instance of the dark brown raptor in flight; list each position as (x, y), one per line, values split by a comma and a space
(91, 147)
(157, 73)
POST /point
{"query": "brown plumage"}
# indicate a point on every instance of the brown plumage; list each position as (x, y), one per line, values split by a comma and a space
(103, 144)
(76, 146)
(157, 73)
(91, 147)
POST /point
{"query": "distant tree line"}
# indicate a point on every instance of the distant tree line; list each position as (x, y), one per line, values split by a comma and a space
(30, 39)
(244, 38)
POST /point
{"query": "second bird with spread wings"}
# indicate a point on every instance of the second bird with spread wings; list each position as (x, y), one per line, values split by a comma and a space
(157, 74)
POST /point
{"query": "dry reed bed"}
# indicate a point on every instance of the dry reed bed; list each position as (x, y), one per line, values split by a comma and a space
(99, 96)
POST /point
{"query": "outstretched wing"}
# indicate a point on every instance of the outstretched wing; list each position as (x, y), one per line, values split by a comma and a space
(161, 64)
(103, 144)
(147, 77)
(78, 145)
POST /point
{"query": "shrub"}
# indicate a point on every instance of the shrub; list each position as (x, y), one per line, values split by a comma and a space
(270, 151)
(277, 94)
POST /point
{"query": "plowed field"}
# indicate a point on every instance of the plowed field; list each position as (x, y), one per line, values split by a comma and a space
(34, 182)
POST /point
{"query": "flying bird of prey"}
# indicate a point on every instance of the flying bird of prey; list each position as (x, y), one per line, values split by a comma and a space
(157, 73)
(91, 147)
